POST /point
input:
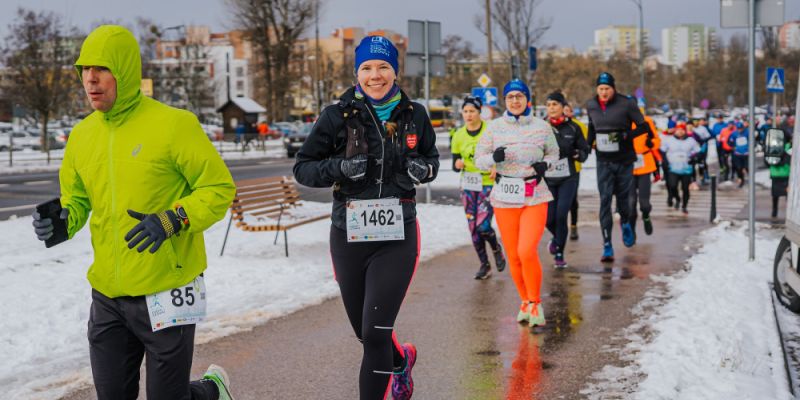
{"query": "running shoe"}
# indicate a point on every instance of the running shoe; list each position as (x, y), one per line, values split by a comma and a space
(537, 315)
(484, 272)
(402, 383)
(628, 236)
(608, 253)
(217, 374)
(559, 261)
(573, 232)
(685, 211)
(648, 225)
(524, 313)
(552, 248)
(499, 258)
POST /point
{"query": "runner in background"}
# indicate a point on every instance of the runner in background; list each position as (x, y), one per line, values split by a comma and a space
(573, 211)
(679, 149)
(779, 173)
(739, 141)
(521, 147)
(648, 160)
(476, 185)
(562, 177)
(725, 151)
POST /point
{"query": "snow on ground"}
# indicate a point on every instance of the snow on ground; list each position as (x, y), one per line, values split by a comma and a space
(46, 297)
(28, 160)
(707, 332)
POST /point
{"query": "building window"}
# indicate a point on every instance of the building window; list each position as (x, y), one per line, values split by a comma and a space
(240, 86)
(239, 72)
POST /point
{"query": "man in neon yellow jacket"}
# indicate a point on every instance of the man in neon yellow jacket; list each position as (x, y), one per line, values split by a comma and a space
(153, 183)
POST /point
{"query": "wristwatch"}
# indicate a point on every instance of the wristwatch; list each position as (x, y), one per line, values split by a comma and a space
(181, 213)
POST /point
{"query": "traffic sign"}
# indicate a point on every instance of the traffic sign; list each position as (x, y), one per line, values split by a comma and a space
(775, 80)
(484, 80)
(487, 95)
(532, 64)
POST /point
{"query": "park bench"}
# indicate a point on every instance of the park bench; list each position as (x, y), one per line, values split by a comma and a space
(269, 204)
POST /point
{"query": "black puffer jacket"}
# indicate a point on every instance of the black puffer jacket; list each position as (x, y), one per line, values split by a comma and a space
(571, 145)
(318, 161)
(616, 119)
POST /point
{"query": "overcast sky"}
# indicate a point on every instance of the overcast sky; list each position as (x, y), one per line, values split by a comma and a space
(574, 21)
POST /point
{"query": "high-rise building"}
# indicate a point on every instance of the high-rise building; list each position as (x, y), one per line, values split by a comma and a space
(623, 39)
(687, 42)
(789, 36)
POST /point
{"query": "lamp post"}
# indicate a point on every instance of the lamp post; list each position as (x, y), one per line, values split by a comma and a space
(641, 42)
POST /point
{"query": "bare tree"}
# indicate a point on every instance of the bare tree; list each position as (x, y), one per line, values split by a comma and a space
(274, 27)
(39, 52)
(516, 21)
(769, 41)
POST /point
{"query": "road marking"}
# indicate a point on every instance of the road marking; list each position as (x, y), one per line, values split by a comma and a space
(31, 183)
(17, 208)
(4, 185)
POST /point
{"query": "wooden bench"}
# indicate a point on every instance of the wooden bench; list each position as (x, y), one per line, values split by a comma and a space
(269, 204)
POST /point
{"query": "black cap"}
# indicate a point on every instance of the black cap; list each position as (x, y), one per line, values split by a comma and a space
(557, 96)
(606, 79)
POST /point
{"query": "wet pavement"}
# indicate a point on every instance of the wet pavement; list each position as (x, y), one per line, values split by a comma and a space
(470, 346)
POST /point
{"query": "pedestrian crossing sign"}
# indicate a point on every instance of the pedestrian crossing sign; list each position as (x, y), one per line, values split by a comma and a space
(775, 80)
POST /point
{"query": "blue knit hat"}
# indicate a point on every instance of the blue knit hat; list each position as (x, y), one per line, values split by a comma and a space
(518, 85)
(376, 48)
(606, 79)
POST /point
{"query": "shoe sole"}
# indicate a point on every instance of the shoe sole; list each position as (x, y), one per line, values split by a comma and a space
(225, 379)
(480, 278)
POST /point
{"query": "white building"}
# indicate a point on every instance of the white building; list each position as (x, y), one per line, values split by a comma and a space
(789, 36)
(686, 42)
(614, 39)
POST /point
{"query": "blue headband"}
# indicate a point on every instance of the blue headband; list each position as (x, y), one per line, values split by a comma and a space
(376, 48)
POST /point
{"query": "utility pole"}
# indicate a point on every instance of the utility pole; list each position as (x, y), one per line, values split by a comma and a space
(641, 43)
(489, 34)
(751, 100)
(316, 58)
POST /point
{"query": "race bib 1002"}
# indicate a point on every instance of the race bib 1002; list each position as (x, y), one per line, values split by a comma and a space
(375, 220)
(510, 190)
(472, 181)
(606, 143)
(559, 169)
(183, 305)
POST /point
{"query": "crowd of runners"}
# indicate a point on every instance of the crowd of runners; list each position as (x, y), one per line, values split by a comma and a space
(140, 167)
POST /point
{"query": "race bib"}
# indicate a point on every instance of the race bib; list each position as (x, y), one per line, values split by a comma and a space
(741, 141)
(510, 190)
(604, 143)
(375, 220)
(558, 169)
(183, 305)
(472, 181)
(680, 158)
(639, 161)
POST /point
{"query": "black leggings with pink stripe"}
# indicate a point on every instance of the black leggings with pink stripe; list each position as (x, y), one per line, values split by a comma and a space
(373, 278)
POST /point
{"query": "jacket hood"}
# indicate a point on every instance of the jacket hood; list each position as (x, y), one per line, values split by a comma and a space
(115, 48)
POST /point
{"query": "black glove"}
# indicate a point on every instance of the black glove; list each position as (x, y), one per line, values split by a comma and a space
(540, 168)
(579, 155)
(44, 226)
(649, 142)
(417, 169)
(499, 154)
(355, 167)
(153, 229)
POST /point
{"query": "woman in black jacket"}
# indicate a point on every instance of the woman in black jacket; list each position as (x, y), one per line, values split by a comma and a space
(372, 148)
(562, 177)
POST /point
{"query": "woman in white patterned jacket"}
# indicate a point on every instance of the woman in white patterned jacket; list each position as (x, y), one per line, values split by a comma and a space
(521, 147)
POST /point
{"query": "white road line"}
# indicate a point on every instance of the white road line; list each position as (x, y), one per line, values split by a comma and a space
(17, 208)
(4, 185)
(31, 183)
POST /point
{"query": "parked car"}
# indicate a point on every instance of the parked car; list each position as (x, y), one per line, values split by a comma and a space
(213, 132)
(5, 142)
(295, 140)
(287, 128)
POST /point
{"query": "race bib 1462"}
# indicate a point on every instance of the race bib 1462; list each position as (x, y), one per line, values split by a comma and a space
(375, 220)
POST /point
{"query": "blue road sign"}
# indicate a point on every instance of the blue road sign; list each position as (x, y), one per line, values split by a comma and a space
(775, 80)
(487, 95)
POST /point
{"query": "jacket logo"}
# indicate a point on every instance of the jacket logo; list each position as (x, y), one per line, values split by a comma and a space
(136, 150)
(411, 140)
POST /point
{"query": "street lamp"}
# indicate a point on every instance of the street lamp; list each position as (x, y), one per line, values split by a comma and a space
(641, 43)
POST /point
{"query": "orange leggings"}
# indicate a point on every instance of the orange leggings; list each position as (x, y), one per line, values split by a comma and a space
(521, 229)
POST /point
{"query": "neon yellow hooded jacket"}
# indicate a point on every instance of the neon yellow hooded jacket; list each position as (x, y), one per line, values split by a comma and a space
(144, 156)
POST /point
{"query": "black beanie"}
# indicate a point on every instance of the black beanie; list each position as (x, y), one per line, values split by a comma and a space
(557, 96)
(606, 79)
